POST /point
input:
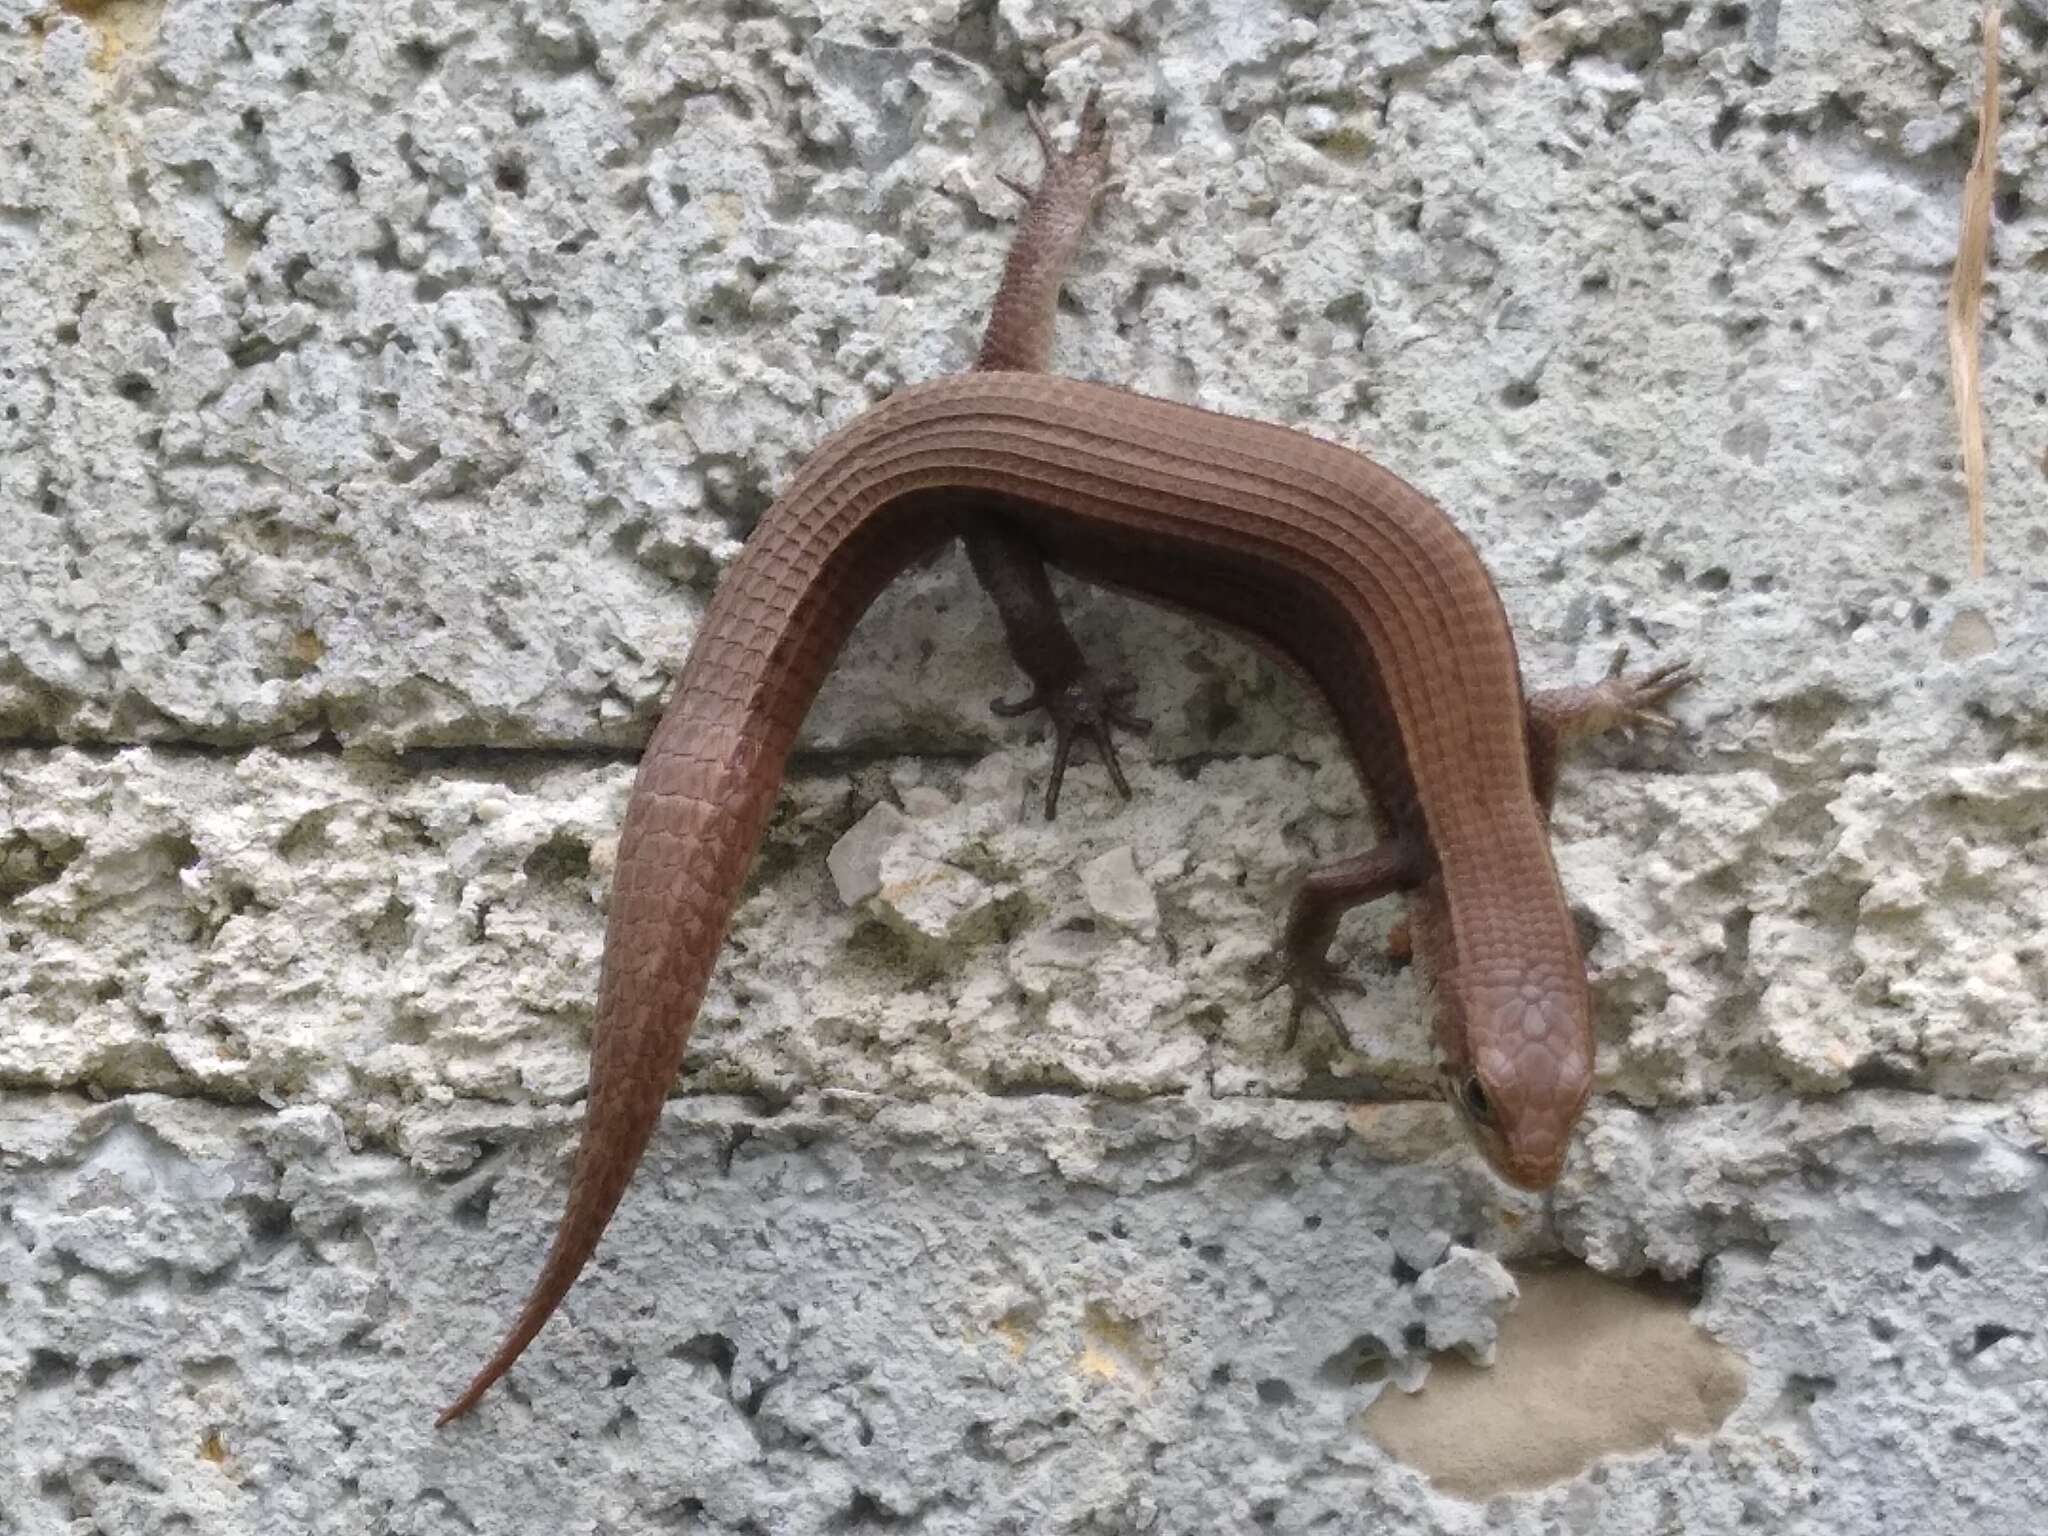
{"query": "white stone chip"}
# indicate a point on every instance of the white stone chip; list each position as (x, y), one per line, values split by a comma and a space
(856, 859)
(1118, 892)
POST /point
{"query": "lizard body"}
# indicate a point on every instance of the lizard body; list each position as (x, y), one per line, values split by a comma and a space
(1321, 555)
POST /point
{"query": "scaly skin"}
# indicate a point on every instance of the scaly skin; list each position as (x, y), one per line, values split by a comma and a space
(1081, 706)
(1354, 576)
(1078, 704)
(1360, 577)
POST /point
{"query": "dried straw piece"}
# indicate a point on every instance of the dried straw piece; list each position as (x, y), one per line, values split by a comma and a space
(1966, 289)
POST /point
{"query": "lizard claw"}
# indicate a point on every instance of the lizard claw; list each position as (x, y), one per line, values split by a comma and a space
(1040, 132)
(1083, 710)
(1088, 136)
(1629, 704)
(1312, 982)
(1089, 155)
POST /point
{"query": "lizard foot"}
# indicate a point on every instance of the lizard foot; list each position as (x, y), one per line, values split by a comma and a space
(1084, 709)
(1312, 982)
(1088, 160)
(1628, 704)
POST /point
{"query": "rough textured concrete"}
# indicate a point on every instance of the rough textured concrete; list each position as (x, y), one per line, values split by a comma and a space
(996, 1315)
(382, 390)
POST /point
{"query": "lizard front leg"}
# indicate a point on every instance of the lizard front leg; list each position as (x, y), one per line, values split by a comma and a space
(1557, 719)
(1560, 717)
(1323, 897)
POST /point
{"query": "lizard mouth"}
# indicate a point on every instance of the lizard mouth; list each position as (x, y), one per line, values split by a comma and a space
(1534, 1168)
(1531, 1173)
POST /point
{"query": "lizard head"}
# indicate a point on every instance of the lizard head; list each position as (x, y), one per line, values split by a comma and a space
(1517, 1065)
(1514, 1043)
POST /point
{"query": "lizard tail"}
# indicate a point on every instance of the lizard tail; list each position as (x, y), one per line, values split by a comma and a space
(698, 812)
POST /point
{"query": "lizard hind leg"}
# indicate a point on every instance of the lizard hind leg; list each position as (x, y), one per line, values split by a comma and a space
(1056, 214)
(1084, 710)
(1080, 704)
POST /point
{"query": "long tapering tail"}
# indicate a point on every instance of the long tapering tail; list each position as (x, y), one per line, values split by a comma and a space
(699, 808)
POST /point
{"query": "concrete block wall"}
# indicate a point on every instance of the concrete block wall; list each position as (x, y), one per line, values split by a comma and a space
(383, 388)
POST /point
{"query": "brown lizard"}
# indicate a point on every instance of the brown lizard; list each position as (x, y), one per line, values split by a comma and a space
(1312, 550)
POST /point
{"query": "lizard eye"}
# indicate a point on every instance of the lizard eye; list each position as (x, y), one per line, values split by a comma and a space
(1476, 1103)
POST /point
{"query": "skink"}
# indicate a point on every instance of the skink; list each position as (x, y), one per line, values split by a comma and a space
(1311, 549)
